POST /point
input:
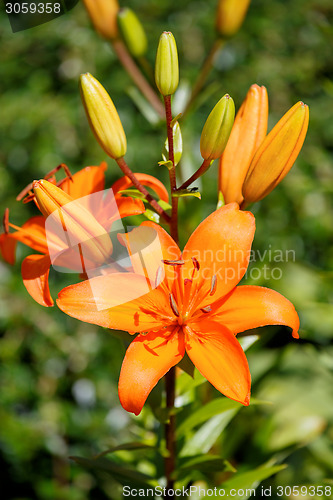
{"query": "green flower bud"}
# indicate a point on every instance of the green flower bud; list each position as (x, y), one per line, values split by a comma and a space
(166, 66)
(133, 32)
(216, 131)
(103, 117)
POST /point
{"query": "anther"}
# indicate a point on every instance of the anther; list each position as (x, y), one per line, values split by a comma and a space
(187, 281)
(206, 309)
(158, 278)
(173, 305)
(195, 263)
(173, 262)
(5, 221)
(213, 285)
(144, 334)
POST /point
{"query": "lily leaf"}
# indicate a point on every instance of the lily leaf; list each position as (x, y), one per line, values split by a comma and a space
(211, 409)
(133, 193)
(177, 143)
(120, 473)
(183, 193)
(251, 479)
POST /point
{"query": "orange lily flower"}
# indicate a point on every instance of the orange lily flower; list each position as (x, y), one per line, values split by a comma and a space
(35, 268)
(196, 307)
(253, 164)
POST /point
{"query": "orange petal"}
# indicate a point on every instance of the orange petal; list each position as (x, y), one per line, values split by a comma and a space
(86, 181)
(219, 358)
(148, 245)
(221, 244)
(146, 180)
(147, 360)
(35, 273)
(119, 301)
(32, 234)
(277, 153)
(8, 248)
(249, 307)
(130, 206)
(248, 132)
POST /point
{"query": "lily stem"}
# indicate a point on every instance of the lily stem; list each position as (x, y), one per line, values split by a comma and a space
(201, 170)
(134, 72)
(172, 170)
(170, 432)
(128, 172)
(205, 70)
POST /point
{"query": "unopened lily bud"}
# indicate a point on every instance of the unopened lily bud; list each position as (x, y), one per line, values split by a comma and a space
(216, 131)
(166, 66)
(248, 132)
(133, 32)
(103, 117)
(72, 223)
(103, 14)
(277, 154)
(230, 16)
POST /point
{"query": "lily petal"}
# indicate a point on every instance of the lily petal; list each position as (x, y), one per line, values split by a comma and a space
(35, 273)
(148, 245)
(87, 181)
(120, 301)
(221, 244)
(147, 360)
(8, 248)
(146, 180)
(249, 307)
(219, 357)
(32, 234)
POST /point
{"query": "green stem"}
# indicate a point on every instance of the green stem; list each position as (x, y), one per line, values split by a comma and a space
(172, 170)
(128, 172)
(205, 70)
(134, 72)
(205, 165)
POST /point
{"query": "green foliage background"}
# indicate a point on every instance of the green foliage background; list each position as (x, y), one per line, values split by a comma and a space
(59, 376)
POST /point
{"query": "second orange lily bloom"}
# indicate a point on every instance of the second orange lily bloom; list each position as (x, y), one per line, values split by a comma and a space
(194, 305)
(88, 219)
(253, 164)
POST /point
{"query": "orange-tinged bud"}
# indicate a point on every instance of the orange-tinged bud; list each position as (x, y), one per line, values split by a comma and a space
(166, 65)
(230, 16)
(217, 128)
(133, 32)
(248, 132)
(103, 14)
(277, 153)
(103, 117)
(71, 223)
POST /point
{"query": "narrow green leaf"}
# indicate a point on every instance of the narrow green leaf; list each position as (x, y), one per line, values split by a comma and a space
(251, 479)
(215, 407)
(183, 193)
(208, 433)
(127, 446)
(120, 473)
(151, 215)
(133, 193)
(186, 365)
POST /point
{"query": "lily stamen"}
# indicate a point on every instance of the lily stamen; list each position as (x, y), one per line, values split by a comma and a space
(173, 305)
(173, 262)
(213, 285)
(158, 278)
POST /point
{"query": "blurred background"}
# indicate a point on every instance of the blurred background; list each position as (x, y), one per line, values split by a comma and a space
(59, 376)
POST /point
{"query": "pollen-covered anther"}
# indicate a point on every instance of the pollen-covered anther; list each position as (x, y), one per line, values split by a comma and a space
(206, 309)
(158, 278)
(213, 285)
(173, 305)
(173, 262)
(5, 221)
(195, 263)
